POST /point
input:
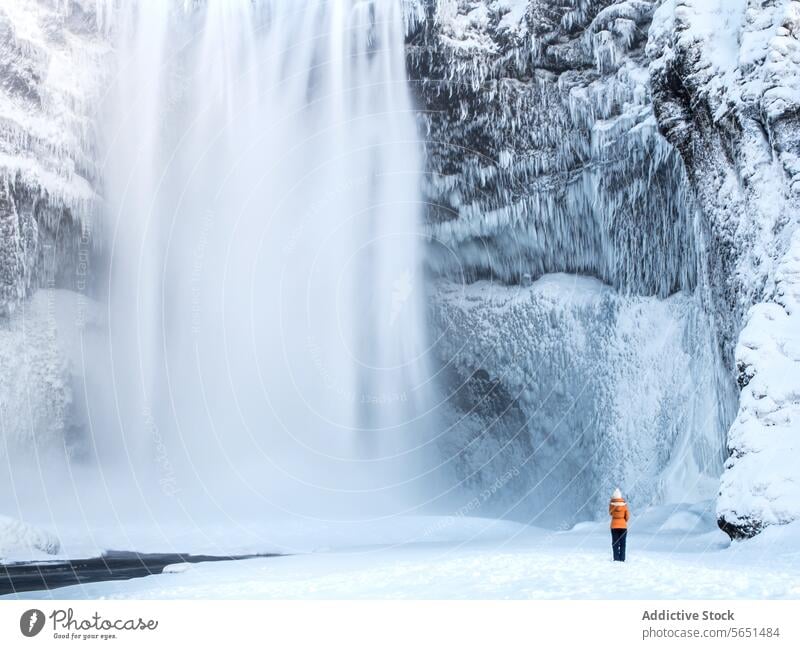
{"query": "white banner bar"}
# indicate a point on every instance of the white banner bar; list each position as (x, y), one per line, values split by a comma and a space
(402, 624)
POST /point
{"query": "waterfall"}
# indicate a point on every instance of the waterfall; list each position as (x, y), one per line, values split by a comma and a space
(265, 328)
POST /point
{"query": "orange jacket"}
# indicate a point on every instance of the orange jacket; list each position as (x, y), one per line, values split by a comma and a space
(618, 511)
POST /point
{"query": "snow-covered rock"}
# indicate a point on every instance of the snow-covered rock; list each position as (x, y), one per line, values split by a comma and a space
(761, 485)
(543, 152)
(20, 540)
(40, 368)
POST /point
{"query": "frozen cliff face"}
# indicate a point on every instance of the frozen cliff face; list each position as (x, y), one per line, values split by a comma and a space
(37, 374)
(52, 67)
(51, 75)
(726, 91)
(545, 156)
(543, 151)
(579, 389)
(653, 145)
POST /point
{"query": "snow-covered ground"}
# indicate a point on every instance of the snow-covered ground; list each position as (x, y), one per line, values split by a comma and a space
(673, 552)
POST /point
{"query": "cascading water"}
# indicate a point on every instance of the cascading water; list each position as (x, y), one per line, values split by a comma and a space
(264, 309)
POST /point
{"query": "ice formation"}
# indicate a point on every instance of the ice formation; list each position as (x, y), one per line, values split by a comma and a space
(54, 65)
(21, 541)
(726, 91)
(581, 389)
(260, 260)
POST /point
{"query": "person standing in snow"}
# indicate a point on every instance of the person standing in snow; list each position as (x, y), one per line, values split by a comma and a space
(618, 510)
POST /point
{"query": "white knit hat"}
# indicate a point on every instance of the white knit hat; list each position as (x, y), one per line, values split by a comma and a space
(617, 494)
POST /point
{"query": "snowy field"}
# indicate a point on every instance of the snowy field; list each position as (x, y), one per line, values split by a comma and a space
(673, 552)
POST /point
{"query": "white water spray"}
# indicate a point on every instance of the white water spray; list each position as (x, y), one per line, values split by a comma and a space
(265, 307)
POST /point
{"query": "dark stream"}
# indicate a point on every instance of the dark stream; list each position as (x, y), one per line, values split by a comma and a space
(111, 566)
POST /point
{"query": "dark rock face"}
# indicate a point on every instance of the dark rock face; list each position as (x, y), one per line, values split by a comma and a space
(40, 242)
(685, 119)
(746, 529)
(543, 153)
(12, 248)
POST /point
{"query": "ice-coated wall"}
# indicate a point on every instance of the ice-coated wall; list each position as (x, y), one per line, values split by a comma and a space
(643, 153)
(652, 145)
(53, 66)
(575, 390)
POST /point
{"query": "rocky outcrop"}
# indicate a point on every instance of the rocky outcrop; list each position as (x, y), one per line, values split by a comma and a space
(726, 92)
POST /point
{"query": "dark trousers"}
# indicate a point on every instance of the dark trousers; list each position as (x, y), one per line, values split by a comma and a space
(618, 544)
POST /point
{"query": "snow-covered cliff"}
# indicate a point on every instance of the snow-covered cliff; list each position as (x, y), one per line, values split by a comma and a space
(726, 90)
(652, 145)
(51, 76)
(543, 148)
(52, 67)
